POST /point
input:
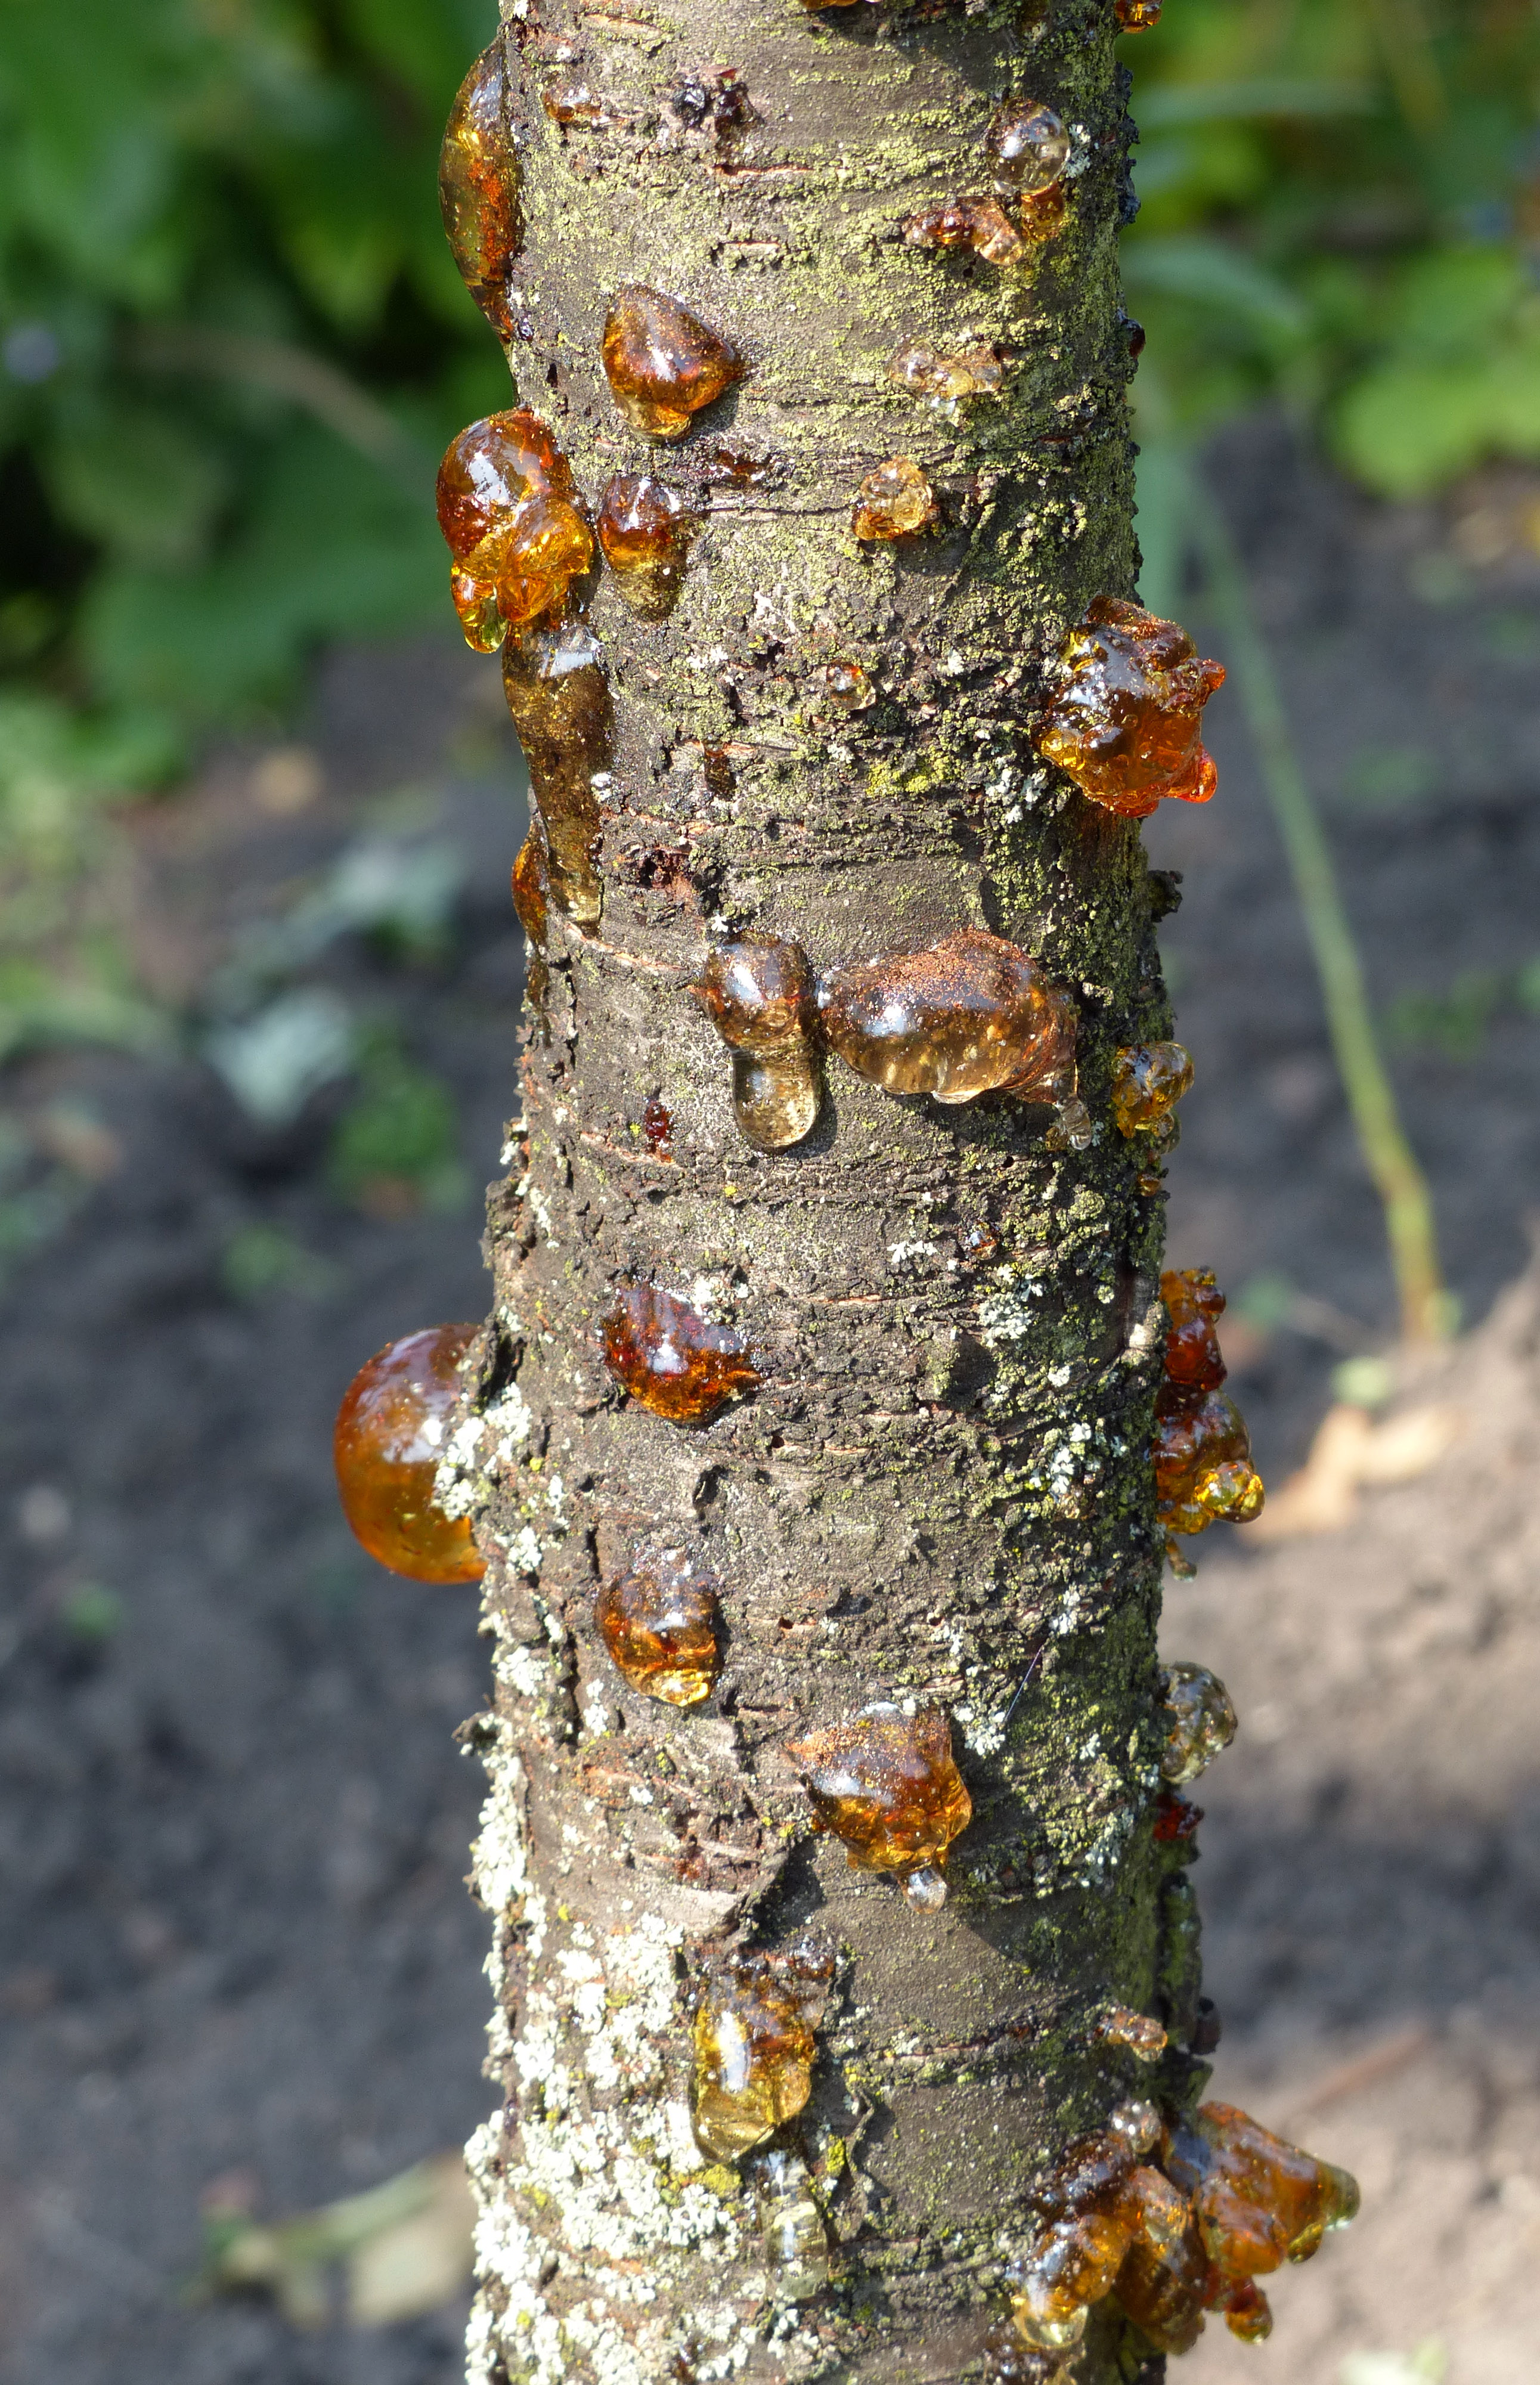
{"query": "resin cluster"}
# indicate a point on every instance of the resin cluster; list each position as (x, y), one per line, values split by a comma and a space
(969, 1016)
(754, 2046)
(506, 505)
(886, 1786)
(1124, 723)
(479, 188)
(1149, 1080)
(1175, 2221)
(895, 501)
(658, 1624)
(1201, 1449)
(1026, 150)
(670, 1358)
(389, 1438)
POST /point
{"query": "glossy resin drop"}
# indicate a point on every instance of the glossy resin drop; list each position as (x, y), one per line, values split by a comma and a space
(946, 381)
(1138, 15)
(972, 1014)
(658, 1623)
(477, 183)
(389, 1441)
(1027, 146)
(1259, 2201)
(1097, 2202)
(982, 225)
(1176, 1819)
(753, 2047)
(1203, 1470)
(1194, 1304)
(530, 880)
(845, 685)
(895, 501)
(557, 693)
(791, 2224)
(1149, 1080)
(759, 995)
(644, 532)
(670, 1358)
(1247, 2313)
(1202, 1721)
(1131, 2032)
(1125, 722)
(886, 1786)
(505, 506)
(663, 363)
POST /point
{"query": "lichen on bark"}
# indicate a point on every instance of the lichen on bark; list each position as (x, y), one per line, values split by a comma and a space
(939, 1492)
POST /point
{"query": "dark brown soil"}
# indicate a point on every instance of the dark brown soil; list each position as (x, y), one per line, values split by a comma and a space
(236, 1938)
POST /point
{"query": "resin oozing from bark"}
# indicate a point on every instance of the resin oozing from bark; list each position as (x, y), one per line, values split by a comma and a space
(886, 1784)
(971, 1016)
(670, 1359)
(754, 2046)
(479, 188)
(663, 364)
(658, 1622)
(1125, 720)
(1027, 146)
(759, 995)
(1130, 2032)
(517, 540)
(389, 1440)
(946, 381)
(1202, 1721)
(558, 696)
(1201, 1450)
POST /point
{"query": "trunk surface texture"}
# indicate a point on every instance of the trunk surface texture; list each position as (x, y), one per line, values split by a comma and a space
(937, 1493)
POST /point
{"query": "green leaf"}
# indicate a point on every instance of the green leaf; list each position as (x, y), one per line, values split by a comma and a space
(1406, 428)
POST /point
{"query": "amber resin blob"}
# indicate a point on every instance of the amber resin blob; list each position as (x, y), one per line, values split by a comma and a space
(754, 2046)
(1138, 15)
(507, 508)
(670, 1358)
(1124, 724)
(1027, 146)
(389, 1441)
(644, 532)
(895, 501)
(1202, 1721)
(1149, 1080)
(791, 2224)
(971, 1015)
(982, 225)
(1201, 1449)
(477, 184)
(658, 1623)
(664, 364)
(945, 382)
(759, 995)
(558, 695)
(887, 1786)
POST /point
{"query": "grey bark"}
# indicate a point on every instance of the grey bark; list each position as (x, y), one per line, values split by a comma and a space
(941, 1488)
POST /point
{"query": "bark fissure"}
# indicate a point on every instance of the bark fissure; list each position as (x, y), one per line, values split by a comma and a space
(938, 1492)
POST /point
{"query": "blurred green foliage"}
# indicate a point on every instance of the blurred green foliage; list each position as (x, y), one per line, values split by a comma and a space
(231, 343)
(1341, 208)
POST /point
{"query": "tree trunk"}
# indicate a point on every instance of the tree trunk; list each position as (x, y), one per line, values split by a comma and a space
(937, 1491)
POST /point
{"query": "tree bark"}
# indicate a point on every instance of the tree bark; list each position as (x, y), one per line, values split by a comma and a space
(939, 1491)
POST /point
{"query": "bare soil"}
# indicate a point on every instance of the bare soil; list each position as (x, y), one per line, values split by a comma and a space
(237, 1949)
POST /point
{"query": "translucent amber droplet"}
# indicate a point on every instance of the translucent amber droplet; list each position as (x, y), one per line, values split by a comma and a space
(759, 995)
(1194, 1304)
(557, 693)
(1135, 2124)
(1073, 1129)
(845, 685)
(972, 1014)
(1028, 147)
(1202, 1454)
(1202, 1721)
(531, 881)
(478, 181)
(1138, 15)
(946, 381)
(1163, 2285)
(658, 1127)
(796, 2240)
(1043, 215)
(895, 501)
(1124, 724)
(1176, 1819)
(1134, 2032)
(1247, 2313)
(1069, 2265)
(658, 1623)
(1259, 2201)
(754, 2046)
(390, 1438)
(982, 225)
(886, 1786)
(645, 533)
(1162, 2215)
(517, 540)
(670, 1358)
(663, 363)
(1149, 1080)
